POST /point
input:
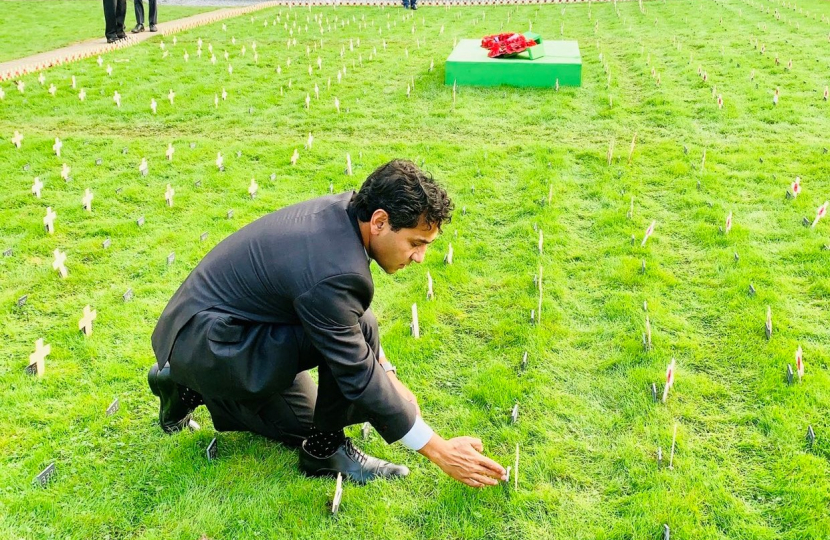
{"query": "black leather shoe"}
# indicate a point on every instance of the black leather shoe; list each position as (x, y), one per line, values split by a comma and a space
(414, 8)
(138, 28)
(350, 461)
(113, 39)
(153, 28)
(174, 415)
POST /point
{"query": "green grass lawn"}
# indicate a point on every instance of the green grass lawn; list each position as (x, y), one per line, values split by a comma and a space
(588, 428)
(33, 26)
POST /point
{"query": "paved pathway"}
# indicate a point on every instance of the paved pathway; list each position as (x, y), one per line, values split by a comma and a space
(93, 47)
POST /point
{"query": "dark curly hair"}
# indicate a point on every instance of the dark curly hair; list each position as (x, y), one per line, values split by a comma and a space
(406, 193)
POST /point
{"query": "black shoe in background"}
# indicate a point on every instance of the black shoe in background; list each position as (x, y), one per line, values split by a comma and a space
(352, 463)
(174, 415)
(138, 28)
(153, 28)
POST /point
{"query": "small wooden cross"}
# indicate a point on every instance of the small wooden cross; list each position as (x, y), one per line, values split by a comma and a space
(430, 293)
(168, 195)
(516, 469)
(58, 263)
(49, 220)
(414, 327)
(87, 200)
(17, 139)
(448, 256)
(169, 152)
(338, 493)
(57, 146)
(252, 189)
(85, 323)
(37, 360)
(36, 187)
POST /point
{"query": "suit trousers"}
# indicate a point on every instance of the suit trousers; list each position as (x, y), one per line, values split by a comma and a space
(285, 413)
(114, 13)
(139, 11)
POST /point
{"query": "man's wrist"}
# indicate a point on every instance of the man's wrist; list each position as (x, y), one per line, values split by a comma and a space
(432, 449)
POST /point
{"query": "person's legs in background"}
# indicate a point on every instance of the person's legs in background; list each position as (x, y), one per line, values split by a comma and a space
(120, 14)
(139, 16)
(110, 30)
(153, 15)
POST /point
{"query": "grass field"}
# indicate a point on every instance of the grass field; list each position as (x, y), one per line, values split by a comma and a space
(588, 428)
(32, 26)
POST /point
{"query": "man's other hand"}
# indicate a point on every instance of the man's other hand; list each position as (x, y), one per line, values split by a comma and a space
(405, 392)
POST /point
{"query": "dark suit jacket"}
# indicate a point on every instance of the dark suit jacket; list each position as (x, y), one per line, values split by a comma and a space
(302, 265)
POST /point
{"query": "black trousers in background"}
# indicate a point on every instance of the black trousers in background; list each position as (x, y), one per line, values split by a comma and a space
(114, 13)
(287, 414)
(139, 11)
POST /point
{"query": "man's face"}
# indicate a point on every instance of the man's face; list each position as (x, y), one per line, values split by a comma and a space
(394, 250)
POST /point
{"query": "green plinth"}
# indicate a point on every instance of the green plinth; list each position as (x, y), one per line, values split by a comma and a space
(469, 65)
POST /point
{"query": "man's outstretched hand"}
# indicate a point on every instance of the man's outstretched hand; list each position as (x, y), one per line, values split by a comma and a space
(461, 459)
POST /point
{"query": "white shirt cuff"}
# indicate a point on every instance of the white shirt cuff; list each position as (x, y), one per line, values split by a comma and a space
(418, 436)
(381, 354)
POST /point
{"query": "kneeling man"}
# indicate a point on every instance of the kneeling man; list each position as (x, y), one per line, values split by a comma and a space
(291, 292)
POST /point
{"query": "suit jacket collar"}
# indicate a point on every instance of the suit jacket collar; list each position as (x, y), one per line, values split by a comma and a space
(353, 219)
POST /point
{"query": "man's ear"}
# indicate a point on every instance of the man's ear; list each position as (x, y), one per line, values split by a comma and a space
(379, 221)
